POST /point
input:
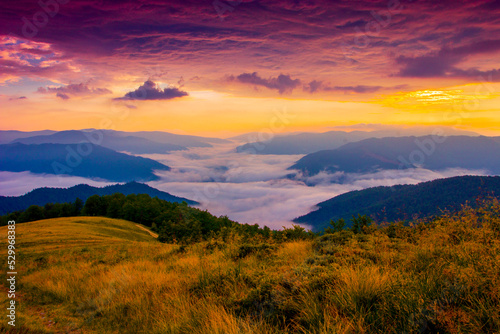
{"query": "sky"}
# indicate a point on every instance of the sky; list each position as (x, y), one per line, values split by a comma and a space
(228, 67)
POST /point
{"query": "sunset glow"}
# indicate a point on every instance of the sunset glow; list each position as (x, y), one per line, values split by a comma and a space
(398, 63)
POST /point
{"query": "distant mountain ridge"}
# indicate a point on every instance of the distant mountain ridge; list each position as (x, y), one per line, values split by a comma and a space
(7, 136)
(141, 142)
(172, 138)
(71, 159)
(42, 196)
(371, 155)
(403, 202)
(306, 143)
(135, 145)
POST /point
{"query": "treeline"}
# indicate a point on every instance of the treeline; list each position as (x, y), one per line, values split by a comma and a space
(174, 222)
(48, 211)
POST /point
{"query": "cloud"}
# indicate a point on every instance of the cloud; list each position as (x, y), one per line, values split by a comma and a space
(151, 91)
(383, 178)
(301, 38)
(315, 86)
(23, 58)
(81, 89)
(18, 98)
(283, 83)
(444, 62)
(355, 89)
(17, 184)
(63, 96)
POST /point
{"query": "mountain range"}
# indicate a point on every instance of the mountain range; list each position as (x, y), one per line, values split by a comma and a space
(7, 136)
(403, 202)
(429, 152)
(142, 142)
(134, 145)
(305, 143)
(42, 196)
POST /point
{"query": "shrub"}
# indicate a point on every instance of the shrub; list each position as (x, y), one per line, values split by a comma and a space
(260, 250)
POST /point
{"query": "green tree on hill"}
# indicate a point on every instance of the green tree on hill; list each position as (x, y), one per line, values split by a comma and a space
(32, 213)
(94, 206)
(360, 224)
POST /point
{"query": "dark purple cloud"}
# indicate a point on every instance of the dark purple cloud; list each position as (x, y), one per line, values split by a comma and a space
(150, 91)
(63, 96)
(444, 62)
(310, 39)
(313, 86)
(283, 83)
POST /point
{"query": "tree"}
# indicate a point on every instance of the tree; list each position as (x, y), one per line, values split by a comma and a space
(163, 233)
(338, 225)
(115, 204)
(360, 224)
(77, 206)
(94, 206)
(32, 213)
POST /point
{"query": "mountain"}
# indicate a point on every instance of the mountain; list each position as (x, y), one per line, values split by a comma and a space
(7, 136)
(403, 202)
(245, 137)
(429, 152)
(305, 143)
(89, 161)
(142, 142)
(182, 140)
(42, 196)
(114, 140)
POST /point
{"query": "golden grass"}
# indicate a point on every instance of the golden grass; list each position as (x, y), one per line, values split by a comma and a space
(98, 275)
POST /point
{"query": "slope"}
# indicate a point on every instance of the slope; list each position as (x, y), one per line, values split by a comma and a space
(434, 153)
(90, 161)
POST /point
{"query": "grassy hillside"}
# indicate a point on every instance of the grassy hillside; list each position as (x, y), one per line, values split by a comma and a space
(96, 275)
(64, 233)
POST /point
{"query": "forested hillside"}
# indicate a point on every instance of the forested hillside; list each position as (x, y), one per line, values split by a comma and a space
(42, 196)
(404, 202)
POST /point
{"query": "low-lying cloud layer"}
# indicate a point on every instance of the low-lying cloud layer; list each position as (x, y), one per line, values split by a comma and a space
(255, 189)
(17, 184)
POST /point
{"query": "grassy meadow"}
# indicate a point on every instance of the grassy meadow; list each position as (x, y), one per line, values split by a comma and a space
(100, 275)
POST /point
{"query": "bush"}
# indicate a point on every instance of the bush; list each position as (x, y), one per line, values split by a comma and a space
(260, 250)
